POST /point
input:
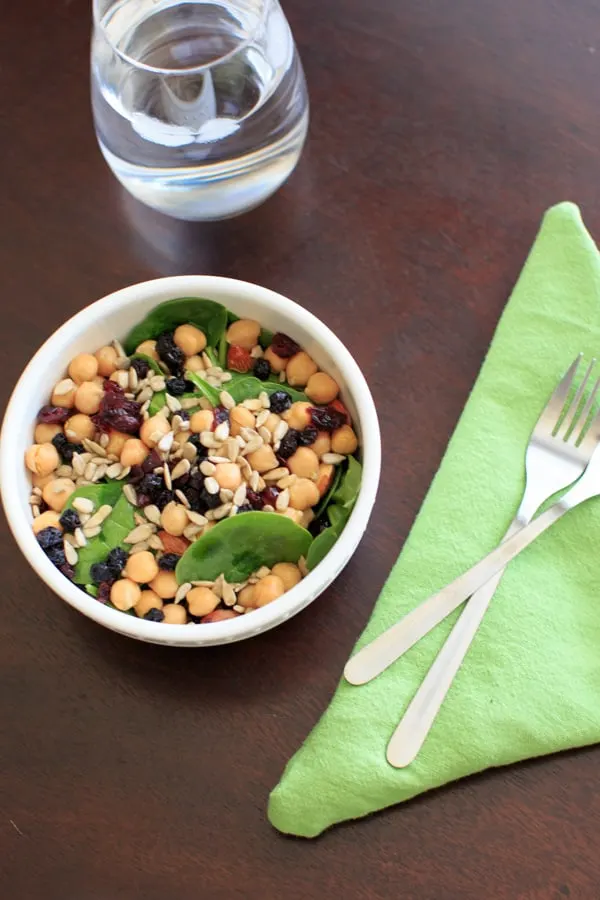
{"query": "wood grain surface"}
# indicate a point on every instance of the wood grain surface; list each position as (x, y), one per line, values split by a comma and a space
(440, 132)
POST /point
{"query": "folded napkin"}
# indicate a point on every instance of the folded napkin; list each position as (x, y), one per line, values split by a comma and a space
(530, 684)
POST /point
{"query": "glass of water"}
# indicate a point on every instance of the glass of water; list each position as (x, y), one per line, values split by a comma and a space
(200, 106)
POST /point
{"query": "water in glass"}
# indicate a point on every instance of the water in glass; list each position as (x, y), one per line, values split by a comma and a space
(200, 106)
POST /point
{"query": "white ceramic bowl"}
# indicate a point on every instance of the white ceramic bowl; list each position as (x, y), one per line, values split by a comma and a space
(113, 316)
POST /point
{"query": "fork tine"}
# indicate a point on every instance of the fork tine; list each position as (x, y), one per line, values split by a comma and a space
(557, 403)
(573, 407)
(581, 420)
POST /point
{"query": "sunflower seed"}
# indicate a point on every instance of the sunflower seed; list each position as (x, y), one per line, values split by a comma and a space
(255, 444)
(114, 470)
(239, 498)
(133, 379)
(303, 567)
(218, 585)
(182, 590)
(91, 532)
(157, 383)
(188, 451)
(83, 505)
(222, 432)
(35, 511)
(124, 473)
(205, 403)
(64, 471)
(231, 449)
(139, 547)
(177, 424)
(155, 543)
(79, 536)
(207, 468)
(70, 553)
(332, 459)
(253, 405)
(262, 572)
(268, 508)
(225, 495)
(173, 403)
(207, 440)
(221, 511)
(207, 584)
(139, 519)
(189, 403)
(191, 532)
(34, 500)
(152, 513)
(240, 609)
(99, 473)
(283, 500)
(64, 386)
(140, 533)
(262, 418)
(265, 399)
(182, 468)
(119, 348)
(99, 516)
(182, 498)
(229, 598)
(93, 447)
(167, 477)
(196, 518)
(254, 481)
(121, 377)
(212, 485)
(280, 430)
(130, 494)
(287, 481)
(144, 410)
(37, 491)
(166, 442)
(282, 377)
(144, 395)
(226, 400)
(225, 377)
(104, 440)
(256, 352)
(276, 474)
(218, 459)
(265, 434)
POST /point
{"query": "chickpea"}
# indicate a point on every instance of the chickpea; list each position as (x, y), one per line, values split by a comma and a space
(263, 459)
(79, 427)
(203, 420)
(164, 584)
(268, 589)
(277, 363)
(244, 333)
(41, 480)
(219, 615)
(239, 418)
(83, 367)
(88, 397)
(326, 471)
(57, 492)
(174, 519)
(148, 348)
(189, 339)
(322, 388)
(116, 442)
(194, 364)
(246, 597)
(201, 601)
(322, 444)
(125, 594)
(294, 514)
(48, 519)
(65, 399)
(300, 368)
(42, 459)
(228, 475)
(298, 415)
(134, 452)
(289, 573)
(306, 518)
(153, 430)
(271, 422)
(304, 463)
(107, 360)
(141, 567)
(44, 433)
(174, 614)
(148, 600)
(343, 440)
(303, 494)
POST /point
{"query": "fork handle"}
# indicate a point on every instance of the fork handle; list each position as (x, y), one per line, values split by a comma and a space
(410, 735)
(373, 659)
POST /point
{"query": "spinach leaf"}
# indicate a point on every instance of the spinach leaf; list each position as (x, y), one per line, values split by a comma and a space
(326, 498)
(151, 362)
(222, 356)
(120, 522)
(158, 401)
(247, 387)
(341, 503)
(100, 494)
(231, 317)
(242, 544)
(114, 528)
(266, 338)
(209, 316)
(204, 389)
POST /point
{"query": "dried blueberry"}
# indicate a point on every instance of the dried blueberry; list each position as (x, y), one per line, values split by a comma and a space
(184, 416)
(284, 346)
(164, 498)
(56, 555)
(221, 415)
(172, 355)
(289, 444)
(262, 369)
(255, 500)
(245, 508)
(70, 520)
(50, 537)
(154, 615)
(140, 367)
(208, 501)
(168, 561)
(116, 560)
(280, 401)
(175, 386)
(65, 448)
(326, 418)
(100, 572)
(151, 486)
(53, 415)
(308, 436)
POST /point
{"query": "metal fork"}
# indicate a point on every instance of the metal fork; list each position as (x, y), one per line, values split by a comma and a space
(558, 452)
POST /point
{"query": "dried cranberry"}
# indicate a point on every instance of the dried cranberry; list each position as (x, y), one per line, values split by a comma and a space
(103, 595)
(289, 444)
(136, 474)
(140, 367)
(154, 615)
(270, 495)
(67, 570)
(255, 500)
(143, 500)
(280, 401)
(221, 415)
(152, 462)
(70, 520)
(284, 346)
(262, 369)
(308, 436)
(326, 418)
(116, 411)
(176, 386)
(172, 355)
(53, 415)
(168, 561)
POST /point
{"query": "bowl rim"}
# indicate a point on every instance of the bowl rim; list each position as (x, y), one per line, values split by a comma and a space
(294, 600)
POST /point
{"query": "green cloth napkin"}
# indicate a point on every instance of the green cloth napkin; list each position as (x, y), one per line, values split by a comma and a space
(530, 683)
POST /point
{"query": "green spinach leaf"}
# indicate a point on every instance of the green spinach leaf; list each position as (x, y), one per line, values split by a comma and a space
(247, 387)
(204, 389)
(340, 504)
(116, 527)
(209, 316)
(151, 362)
(242, 544)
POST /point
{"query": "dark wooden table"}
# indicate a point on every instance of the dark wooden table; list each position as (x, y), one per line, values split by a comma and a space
(440, 132)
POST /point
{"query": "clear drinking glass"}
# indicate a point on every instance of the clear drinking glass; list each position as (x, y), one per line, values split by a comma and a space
(200, 106)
